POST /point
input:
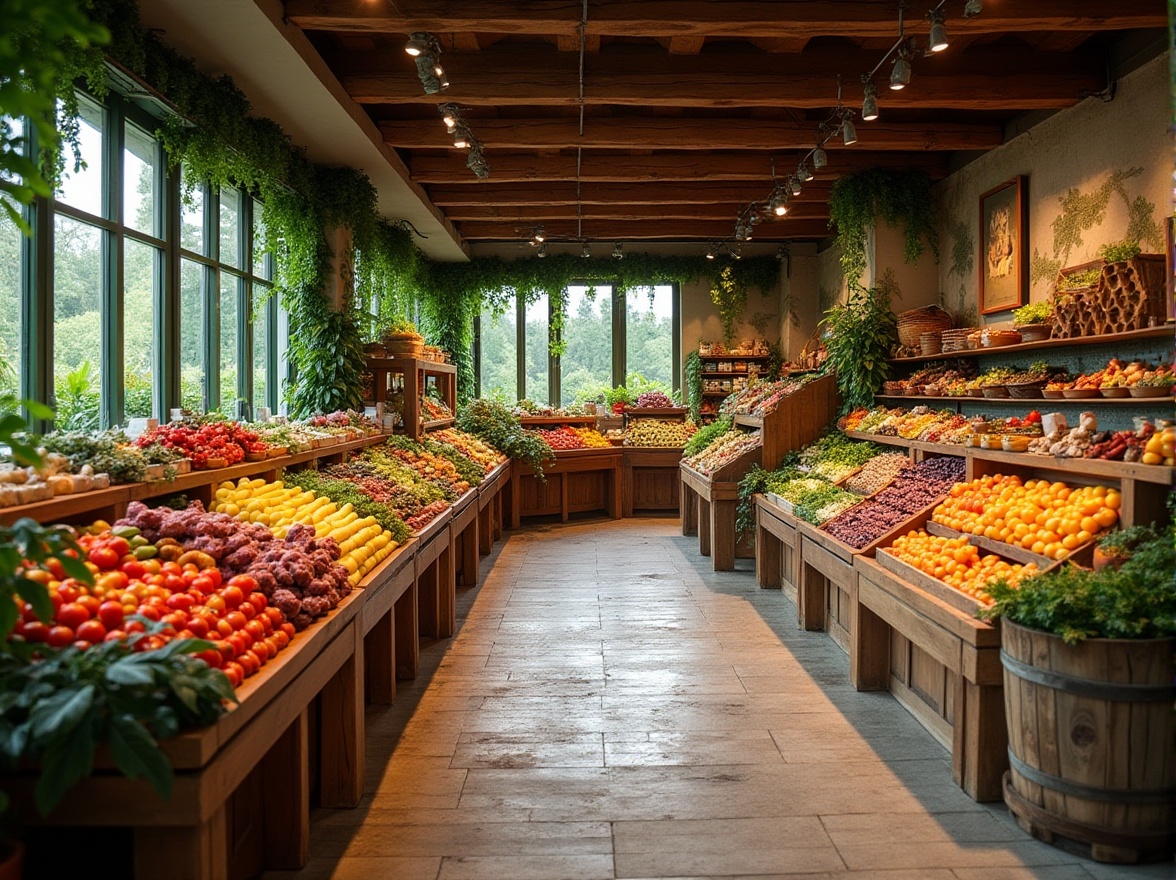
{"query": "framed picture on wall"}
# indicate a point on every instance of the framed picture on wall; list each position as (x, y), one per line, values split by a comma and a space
(1004, 250)
(1170, 264)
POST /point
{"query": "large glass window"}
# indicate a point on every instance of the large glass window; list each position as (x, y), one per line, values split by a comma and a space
(536, 347)
(139, 296)
(228, 344)
(192, 232)
(499, 374)
(230, 227)
(141, 161)
(192, 322)
(81, 185)
(586, 362)
(77, 322)
(649, 338)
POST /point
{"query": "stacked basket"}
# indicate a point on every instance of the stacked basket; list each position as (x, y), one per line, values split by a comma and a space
(913, 324)
(955, 340)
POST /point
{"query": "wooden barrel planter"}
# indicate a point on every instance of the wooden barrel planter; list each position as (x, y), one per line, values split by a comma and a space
(1091, 743)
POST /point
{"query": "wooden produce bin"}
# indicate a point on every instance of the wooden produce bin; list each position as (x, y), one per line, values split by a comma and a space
(388, 623)
(435, 584)
(777, 547)
(417, 374)
(650, 479)
(576, 481)
(941, 663)
(241, 797)
(463, 534)
(490, 507)
(708, 502)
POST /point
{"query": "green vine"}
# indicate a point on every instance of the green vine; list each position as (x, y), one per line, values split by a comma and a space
(694, 384)
(856, 201)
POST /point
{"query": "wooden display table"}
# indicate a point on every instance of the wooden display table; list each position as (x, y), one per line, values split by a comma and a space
(650, 479)
(492, 506)
(435, 584)
(416, 374)
(577, 481)
(389, 624)
(777, 548)
(463, 536)
(942, 664)
(707, 507)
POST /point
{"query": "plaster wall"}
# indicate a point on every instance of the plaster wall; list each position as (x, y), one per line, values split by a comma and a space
(1097, 173)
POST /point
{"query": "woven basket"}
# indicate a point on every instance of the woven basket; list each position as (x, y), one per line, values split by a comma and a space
(1034, 332)
(404, 346)
(914, 323)
(1026, 390)
(996, 391)
(931, 342)
(893, 387)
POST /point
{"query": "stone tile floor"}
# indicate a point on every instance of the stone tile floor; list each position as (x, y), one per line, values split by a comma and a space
(612, 708)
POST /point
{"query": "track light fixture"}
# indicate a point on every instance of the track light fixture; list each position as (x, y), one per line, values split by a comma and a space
(848, 131)
(973, 8)
(475, 161)
(870, 102)
(618, 251)
(426, 52)
(794, 184)
(449, 116)
(586, 251)
(900, 74)
(542, 252)
(418, 44)
(538, 236)
(937, 41)
(820, 159)
(778, 203)
(712, 251)
(802, 172)
(461, 136)
(736, 253)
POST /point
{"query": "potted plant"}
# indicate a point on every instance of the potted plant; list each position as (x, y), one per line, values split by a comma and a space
(1088, 672)
(858, 336)
(618, 398)
(402, 339)
(1034, 321)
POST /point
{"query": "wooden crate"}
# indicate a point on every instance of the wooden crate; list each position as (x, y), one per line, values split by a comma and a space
(941, 664)
(578, 481)
(650, 479)
(777, 547)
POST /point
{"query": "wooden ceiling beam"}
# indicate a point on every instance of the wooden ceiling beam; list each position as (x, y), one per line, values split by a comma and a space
(984, 78)
(644, 132)
(685, 167)
(647, 212)
(617, 230)
(713, 18)
(473, 193)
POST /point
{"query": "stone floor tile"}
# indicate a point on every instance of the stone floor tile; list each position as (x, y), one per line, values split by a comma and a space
(543, 867)
(732, 863)
(514, 751)
(401, 868)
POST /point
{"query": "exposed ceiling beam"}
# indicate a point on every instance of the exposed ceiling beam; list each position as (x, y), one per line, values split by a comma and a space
(987, 78)
(690, 167)
(565, 230)
(472, 193)
(645, 132)
(651, 212)
(715, 18)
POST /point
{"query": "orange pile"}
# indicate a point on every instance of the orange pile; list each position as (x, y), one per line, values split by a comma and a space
(957, 563)
(1049, 519)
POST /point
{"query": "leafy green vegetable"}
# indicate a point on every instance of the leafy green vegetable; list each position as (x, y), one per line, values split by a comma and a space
(108, 452)
(1136, 602)
(493, 423)
(707, 435)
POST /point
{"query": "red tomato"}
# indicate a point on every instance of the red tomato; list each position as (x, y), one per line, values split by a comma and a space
(177, 620)
(55, 598)
(90, 603)
(258, 601)
(288, 629)
(185, 634)
(255, 629)
(72, 614)
(216, 604)
(34, 631)
(150, 612)
(171, 567)
(27, 612)
(249, 661)
(202, 584)
(104, 557)
(135, 626)
(281, 638)
(277, 618)
(212, 657)
(232, 596)
(266, 626)
(115, 635)
(59, 636)
(239, 641)
(214, 575)
(261, 649)
(55, 567)
(234, 673)
(133, 569)
(237, 619)
(224, 628)
(149, 643)
(111, 614)
(247, 583)
(174, 583)
(247, 609)
(92, 631)
(68, 591)
(225, 649)
(121, 546)
(83, 645)
(198, 626)
(180, 601)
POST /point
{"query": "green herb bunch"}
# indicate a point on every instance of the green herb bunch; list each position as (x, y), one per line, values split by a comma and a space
(493, 423)
(1136, 602)
(754, 483)
(58, 707)
(707, 435)
(860, 334)
(107, 452)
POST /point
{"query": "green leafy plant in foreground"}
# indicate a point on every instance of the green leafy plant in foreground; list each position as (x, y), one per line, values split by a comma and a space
(1136, 602)
(57, 709)
(493, 423)
(859, 336)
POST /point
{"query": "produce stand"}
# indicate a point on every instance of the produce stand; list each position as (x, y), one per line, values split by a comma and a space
(435, 586)
(777, 548)
(708, 501)
(650, 479)
(416, 374)
(941, 664)
(463, 535)
(576, 481)
(491, 505)
(389, 611)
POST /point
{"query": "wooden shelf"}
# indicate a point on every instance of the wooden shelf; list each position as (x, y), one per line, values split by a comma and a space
(717, 393)
(1161, 332)
(1035, 402)
(734, 357)
(534, 421)
(434, 424)
(645, 412)
(719, 374)
(404, 363)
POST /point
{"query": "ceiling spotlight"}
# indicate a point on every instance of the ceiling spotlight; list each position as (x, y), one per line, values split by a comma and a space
(618, 252)
(476, 162)
(418, 44)
(900, 74)
(820, 160)
(736, 253)
(542, 252)
(449, 116)
(461, 137)
(802, 171)
(794, 184)
(870, 103)
(539, 236)
(712, 251)
(973, 8)
(848, 132)
(938, 37)
(586, 251)
(778, 204)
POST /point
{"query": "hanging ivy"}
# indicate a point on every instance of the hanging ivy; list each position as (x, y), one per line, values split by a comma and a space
(856, 201)
(859, 335)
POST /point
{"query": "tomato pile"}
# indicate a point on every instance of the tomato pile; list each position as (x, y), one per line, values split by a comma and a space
(215, 440)
(190, 602)
(560, 439)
